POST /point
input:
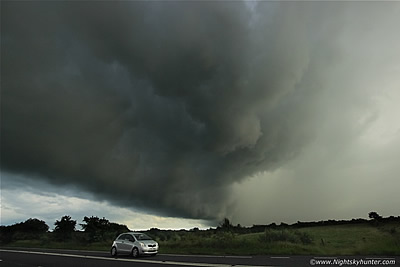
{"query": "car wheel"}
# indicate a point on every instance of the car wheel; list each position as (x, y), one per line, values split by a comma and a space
(135, 252)
(114, 252)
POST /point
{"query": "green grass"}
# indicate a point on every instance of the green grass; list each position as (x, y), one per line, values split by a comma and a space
(46, 241)
(362, 239)
(356, 239)
(99, 246)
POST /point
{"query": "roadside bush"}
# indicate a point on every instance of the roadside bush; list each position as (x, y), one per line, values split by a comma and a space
(278, 235)
(101, 229)
(224, 239)
(304, 237)
(64, 228)
(30, 229)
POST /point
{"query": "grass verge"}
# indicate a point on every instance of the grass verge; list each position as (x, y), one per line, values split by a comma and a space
(363, 239)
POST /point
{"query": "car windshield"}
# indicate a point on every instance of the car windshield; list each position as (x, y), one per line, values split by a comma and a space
(142, 237)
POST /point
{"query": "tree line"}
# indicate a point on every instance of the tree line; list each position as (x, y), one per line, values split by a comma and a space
(374, 219)
(97, 229)
(94, 229)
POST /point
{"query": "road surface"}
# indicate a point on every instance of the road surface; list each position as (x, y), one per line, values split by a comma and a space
(23, 257)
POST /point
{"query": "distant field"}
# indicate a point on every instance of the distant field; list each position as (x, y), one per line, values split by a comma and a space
(362, 239)
(323, 240)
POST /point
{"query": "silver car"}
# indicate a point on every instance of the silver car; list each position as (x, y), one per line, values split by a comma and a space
(135, 244)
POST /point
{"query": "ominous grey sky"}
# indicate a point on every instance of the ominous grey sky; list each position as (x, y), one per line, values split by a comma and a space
(200, 110)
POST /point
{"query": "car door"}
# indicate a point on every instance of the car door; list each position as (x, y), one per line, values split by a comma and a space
(129, 242)
(121, 243)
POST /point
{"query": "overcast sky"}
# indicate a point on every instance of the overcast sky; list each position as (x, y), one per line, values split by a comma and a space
(177, 114)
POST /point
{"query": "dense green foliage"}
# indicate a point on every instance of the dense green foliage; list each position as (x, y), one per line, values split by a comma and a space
(378, 236)
(357, 239)
(94, 230)
(30, 229)
(64, 228)
(101, 229)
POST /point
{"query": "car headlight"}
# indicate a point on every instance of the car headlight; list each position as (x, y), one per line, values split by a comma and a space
(142, 244)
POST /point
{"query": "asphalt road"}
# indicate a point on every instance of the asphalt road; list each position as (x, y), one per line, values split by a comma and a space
(23, 257)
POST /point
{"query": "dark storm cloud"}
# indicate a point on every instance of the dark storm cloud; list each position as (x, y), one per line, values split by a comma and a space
(157, 105)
